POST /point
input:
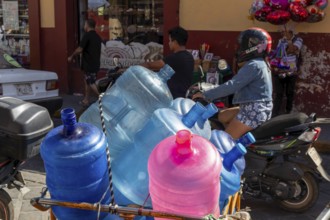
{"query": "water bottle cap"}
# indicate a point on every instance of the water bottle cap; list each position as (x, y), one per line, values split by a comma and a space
(193, 115)
(211, 109)
(241, 148)
(236, 152)
(251, 138)
(183, 136)
(183, 140)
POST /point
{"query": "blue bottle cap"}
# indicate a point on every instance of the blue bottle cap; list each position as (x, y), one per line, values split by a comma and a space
(229, 158)
(166, 72)
(211, 109)
(193, 115)
(247, 139)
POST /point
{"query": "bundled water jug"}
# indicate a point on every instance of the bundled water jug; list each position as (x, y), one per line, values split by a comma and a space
(130, 173)
(129, 103)
(230, 175)
(75, 160)
(184, 175)
(202, 127)
(233, 162)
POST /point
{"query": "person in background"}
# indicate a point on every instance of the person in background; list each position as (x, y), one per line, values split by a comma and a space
(181, 61)
(285, 80)
(251, 86)
(90, 48)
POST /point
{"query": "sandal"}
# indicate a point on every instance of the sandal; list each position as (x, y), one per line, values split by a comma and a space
(83, 104)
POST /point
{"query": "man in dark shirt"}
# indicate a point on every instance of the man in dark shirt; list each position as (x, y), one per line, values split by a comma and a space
(90, 47)
(181, 61)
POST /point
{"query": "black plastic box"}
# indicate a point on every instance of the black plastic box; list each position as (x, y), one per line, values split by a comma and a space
(23, 125)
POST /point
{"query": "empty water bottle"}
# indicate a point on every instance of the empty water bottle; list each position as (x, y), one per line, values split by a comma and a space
(230, 175)
(184, 175)
(129, 103)
(75, 160)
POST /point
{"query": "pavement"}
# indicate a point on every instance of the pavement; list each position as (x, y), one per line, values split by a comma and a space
(34, 175)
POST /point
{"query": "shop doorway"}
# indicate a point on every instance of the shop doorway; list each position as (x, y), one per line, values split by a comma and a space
(131, 30)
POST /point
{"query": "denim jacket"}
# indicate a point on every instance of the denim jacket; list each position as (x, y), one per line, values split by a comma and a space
(252, 83)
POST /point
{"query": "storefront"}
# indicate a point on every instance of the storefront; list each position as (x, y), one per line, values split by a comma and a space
(136, 31)
(131, 30)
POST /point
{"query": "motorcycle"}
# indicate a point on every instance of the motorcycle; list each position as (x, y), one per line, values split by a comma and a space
(282, 164)
(111, 76)
(22, 128)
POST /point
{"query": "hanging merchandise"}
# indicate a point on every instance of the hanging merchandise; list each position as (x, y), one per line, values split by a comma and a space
(279, 12)
(261, 15)
(279, 4)
(298, 12)
(278, 17)
(280, 59)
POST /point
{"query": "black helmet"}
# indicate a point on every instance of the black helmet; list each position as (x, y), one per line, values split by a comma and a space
(253, 43)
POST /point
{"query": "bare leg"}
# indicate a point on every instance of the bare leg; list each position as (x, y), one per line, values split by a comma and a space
(87, 93)
(236, 128)
(227, 115)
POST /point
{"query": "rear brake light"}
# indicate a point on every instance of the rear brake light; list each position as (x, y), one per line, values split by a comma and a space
(219, 104)
(1, 91)
(51, 85)
(310, 135)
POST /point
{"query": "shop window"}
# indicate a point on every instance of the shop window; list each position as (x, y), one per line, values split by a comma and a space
(132, 30)
(14, 30)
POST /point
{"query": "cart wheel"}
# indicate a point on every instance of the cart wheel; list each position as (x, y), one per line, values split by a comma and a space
(6, 206)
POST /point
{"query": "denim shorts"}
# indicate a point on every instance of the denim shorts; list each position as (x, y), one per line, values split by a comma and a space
(254, 114)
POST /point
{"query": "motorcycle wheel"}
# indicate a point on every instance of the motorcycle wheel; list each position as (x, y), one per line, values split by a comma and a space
(306, 196)
(6, 206)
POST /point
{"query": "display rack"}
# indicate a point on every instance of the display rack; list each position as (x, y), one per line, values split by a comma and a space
(16, 41)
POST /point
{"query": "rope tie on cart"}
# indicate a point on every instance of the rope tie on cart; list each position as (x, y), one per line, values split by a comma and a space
(110, 187)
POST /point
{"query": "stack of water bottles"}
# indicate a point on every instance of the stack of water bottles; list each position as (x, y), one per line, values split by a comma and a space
(139, 114)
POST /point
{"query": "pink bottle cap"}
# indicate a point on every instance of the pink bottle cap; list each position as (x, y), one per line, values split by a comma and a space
(183, 139)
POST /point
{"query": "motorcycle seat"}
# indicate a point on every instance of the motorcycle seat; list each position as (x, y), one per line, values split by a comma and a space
(277, 125)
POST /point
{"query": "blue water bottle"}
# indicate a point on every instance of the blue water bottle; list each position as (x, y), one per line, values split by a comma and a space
(233, 163)
(230, 176)
(75, 160)
(129, 103)
(224, 143)
(130, 173)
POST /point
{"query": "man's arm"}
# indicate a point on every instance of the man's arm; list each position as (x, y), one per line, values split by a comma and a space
(77, 51)
(155, 65)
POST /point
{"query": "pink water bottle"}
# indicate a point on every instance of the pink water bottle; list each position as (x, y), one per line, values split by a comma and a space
(184, 175)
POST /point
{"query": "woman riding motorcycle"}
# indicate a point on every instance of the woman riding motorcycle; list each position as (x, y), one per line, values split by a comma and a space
(251, 86)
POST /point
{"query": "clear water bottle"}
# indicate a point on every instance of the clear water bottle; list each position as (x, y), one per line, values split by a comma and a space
(184, 175)
(130, 173)
(75, 160)
(129, 103)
